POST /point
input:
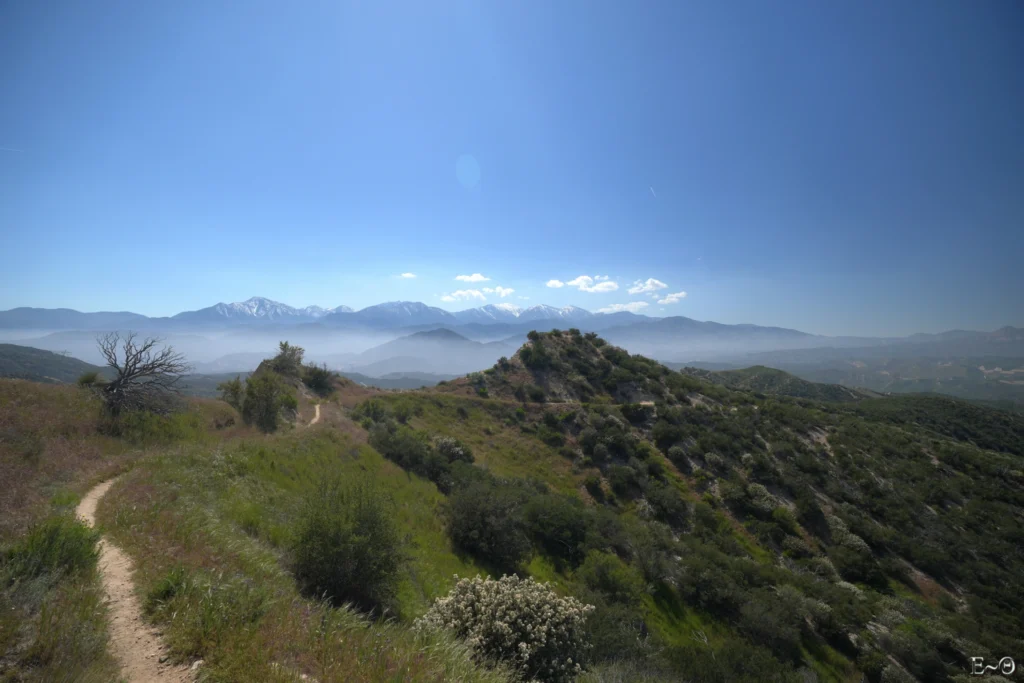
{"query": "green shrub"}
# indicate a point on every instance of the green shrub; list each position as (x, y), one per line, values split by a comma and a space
(610, 576)
(347, 546)
(453, 449)
(58, 545)
(485, 520)
(318, 379)
(91, 379)
(668, 504)
(232, 392)
(265, 396)
(535, 393)
(373, 409)
(517, 621)
(559, 524)
(288, 360)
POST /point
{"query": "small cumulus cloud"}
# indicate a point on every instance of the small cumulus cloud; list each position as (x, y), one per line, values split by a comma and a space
(475, 277)
(499, 290)
(645, 286)
(464, 295)
(407, 276)
(524, 298)
(585, 283)
(555, 284)
(673, 298)
(631, 307)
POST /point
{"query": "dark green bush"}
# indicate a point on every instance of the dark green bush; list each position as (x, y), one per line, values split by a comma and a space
(265, 396)
(535, 393)
(485, 520)
(668, 504)
(559, 524)
(348, 547)
(318, 379)
(614, 579)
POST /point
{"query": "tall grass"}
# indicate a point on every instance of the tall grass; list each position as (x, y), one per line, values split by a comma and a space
(52, 611)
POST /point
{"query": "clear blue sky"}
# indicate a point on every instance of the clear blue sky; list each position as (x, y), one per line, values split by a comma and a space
(837, 167)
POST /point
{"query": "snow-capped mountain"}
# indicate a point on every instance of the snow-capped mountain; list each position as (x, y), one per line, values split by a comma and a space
(491, 313)
(319, 312)
(566, 313)
(256, 309)
(392, 314)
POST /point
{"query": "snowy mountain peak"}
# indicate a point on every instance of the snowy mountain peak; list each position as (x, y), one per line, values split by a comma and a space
(319, 311)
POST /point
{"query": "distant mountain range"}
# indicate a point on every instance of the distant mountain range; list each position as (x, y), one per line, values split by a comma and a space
(262, 311)
(412, 337)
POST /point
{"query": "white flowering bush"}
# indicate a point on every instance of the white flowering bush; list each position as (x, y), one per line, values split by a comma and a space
(453, 449)
(517, 621)
(843, 536)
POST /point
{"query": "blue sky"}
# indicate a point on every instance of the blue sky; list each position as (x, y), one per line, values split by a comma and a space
(837, 167)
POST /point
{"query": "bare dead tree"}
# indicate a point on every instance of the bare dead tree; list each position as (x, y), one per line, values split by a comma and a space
(146, 376)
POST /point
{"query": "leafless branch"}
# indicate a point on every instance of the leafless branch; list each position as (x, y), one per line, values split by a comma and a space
(145, 375)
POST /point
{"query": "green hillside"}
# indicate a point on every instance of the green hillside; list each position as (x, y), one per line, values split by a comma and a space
(721, 534)
(24, 362)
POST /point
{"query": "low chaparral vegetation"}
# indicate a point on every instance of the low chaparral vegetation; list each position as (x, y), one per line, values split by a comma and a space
(648, 525)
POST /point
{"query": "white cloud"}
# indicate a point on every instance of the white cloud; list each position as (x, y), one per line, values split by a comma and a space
(407, 276)
(475, 277)
(650, 285)
(585, 283)
(503, 291)
(672, 298)
(464, 294)
(601, 278)
(555, 284)
(631, 307)
(524, 298)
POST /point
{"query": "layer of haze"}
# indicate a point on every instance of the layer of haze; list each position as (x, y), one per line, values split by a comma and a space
(835, 167)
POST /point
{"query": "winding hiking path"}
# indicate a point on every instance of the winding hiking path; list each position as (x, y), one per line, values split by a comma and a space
(136, 644)
(316, 417)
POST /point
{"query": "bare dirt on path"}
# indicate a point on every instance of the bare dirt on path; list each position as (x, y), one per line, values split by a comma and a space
(135, 644)
(316, 416)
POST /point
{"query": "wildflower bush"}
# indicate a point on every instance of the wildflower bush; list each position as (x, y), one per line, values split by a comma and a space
(517, 621)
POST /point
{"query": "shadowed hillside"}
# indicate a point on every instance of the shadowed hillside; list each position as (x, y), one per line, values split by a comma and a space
(24, 362)
(772, 381)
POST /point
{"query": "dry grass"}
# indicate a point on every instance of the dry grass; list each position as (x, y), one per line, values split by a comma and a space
(53, 624)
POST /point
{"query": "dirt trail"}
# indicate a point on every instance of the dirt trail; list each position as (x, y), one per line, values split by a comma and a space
(136, 644)
(316, 417)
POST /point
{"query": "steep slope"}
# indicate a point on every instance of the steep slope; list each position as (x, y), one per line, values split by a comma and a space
(24, 362)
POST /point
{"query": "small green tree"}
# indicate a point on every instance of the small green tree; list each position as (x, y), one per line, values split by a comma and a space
(265, 395)
(232, 392)
(348, 547)
(288, 360)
